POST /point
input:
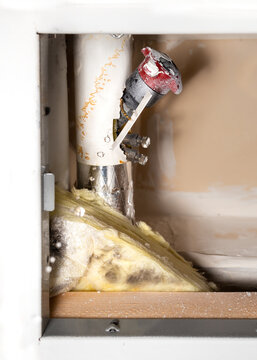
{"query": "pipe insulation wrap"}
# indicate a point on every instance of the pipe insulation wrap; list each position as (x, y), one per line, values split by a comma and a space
(102, 64)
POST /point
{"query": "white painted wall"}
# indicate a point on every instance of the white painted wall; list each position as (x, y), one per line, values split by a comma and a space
(149, 348)
(20, 232)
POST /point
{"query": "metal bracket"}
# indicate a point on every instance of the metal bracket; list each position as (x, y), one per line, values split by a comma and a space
(48, 192)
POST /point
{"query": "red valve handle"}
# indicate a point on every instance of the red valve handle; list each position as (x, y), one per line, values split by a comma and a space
(159, 72)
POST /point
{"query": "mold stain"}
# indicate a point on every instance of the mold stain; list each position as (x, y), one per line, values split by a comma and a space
(112, 275)
(144, 275)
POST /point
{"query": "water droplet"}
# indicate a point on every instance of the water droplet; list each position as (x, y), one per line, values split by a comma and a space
(79, 211)
(48, 269)
(100, 154)
(52, 259)
(91, 178)
(58, 245)
(107, 139)
(115, 190)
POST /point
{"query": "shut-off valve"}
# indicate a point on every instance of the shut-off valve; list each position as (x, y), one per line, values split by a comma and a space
(154, 77)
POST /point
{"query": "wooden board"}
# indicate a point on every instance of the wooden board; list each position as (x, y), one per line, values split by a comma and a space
(226, 305)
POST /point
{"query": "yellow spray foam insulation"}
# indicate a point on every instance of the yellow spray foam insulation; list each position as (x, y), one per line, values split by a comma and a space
(98, 249)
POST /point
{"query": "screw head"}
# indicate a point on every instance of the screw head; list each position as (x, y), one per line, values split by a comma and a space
(113, 327)
(146, 141)
(142, 159)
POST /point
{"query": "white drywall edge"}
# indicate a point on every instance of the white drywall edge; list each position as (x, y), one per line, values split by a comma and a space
(20, 262)
(163, 17)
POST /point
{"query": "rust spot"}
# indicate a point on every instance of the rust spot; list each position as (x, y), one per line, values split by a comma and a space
(80, 151)
(100, 81)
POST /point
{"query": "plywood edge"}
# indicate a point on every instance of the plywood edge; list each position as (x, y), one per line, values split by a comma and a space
(198, 305)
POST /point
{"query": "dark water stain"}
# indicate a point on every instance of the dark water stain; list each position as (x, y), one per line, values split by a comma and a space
(112, 275)
(143, 275)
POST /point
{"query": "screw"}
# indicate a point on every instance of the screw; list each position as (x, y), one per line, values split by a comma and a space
(48, 269)
(142, 159)
(113, 327)
(117, 36)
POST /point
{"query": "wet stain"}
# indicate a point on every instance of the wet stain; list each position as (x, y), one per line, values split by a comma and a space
(143, 276)
(112, 275)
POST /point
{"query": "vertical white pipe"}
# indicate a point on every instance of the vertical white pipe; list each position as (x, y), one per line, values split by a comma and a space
(102, 64)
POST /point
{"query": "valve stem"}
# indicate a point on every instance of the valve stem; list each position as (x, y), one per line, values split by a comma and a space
(134, 155)
(135, 140)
